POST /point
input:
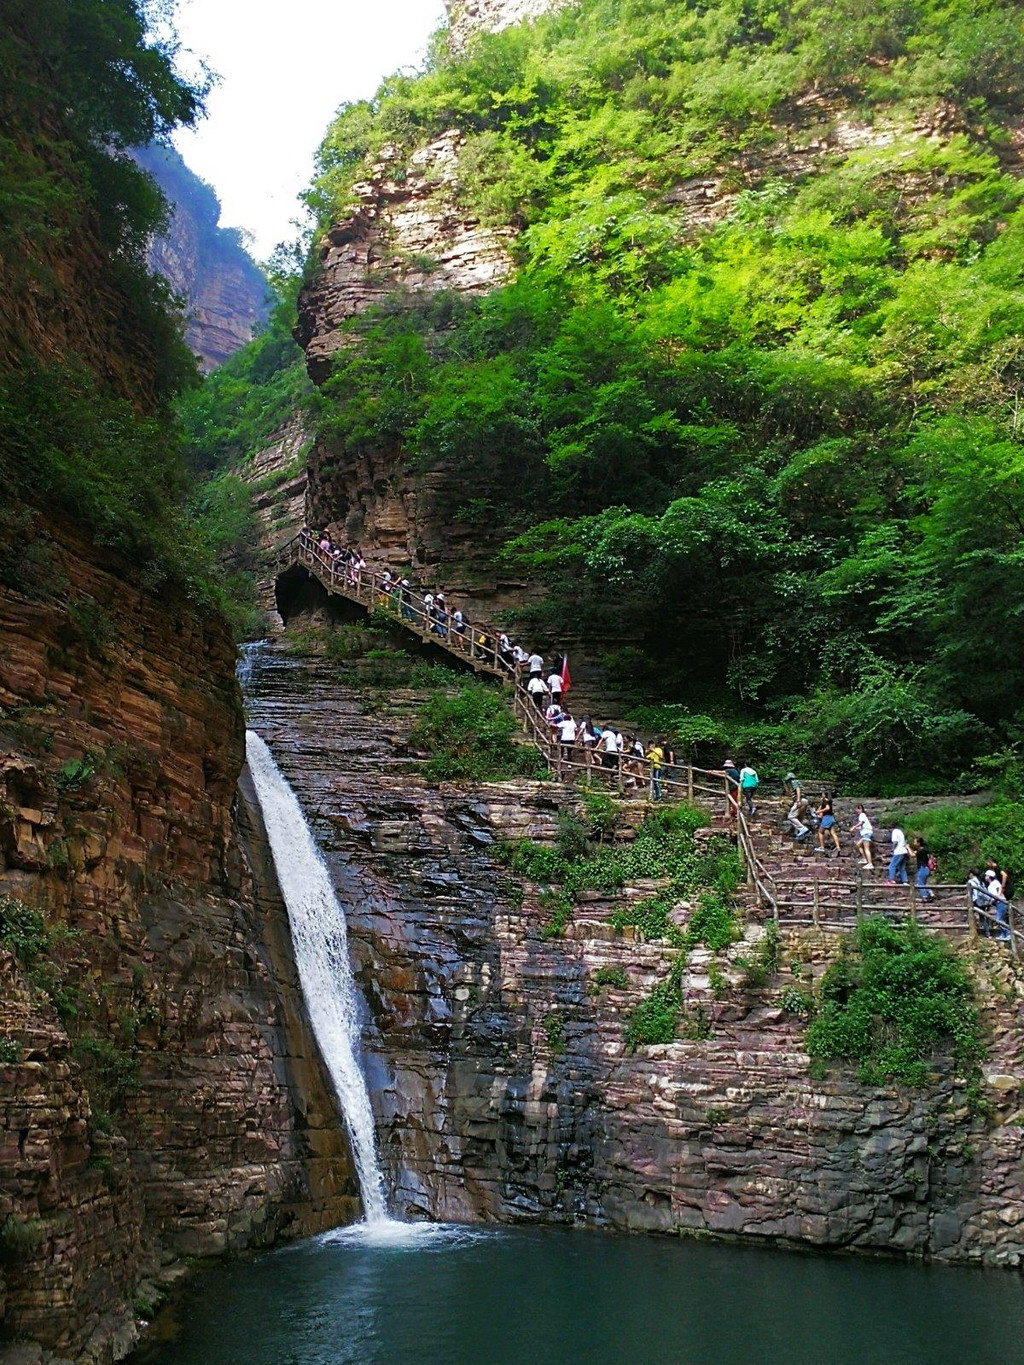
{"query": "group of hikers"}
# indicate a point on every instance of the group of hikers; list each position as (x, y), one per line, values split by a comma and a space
(652, 765)
(990, 889)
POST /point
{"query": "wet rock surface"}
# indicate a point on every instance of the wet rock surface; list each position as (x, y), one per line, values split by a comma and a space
(502, 1085)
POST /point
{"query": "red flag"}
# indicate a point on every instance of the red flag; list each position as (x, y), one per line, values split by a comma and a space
(566, 680)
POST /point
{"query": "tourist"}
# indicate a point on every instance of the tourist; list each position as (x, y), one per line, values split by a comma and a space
(790, 786)
(749, 783)
(505, 651)
(519, 657)
(981, 903)
(608, 745)
(554, 714)
(827, 823)
(863, 832)
(925, 866)
(1005, 880)
(994, 889)
(405, 598)
(732, 788)
(588, 737)
(900, 856)
(440, 619)
(656, 758)
(566, 738)
(537, 688)
(796, 819)
(459, 628)
(484, 646)
(428, 607)
(555, 683)
(536, 663)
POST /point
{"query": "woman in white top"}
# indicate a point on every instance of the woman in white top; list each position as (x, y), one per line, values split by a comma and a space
(862, 831)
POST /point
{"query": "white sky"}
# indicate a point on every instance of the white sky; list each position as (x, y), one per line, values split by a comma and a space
(285, 66)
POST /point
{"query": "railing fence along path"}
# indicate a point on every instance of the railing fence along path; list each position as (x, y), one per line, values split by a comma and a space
(825, 900)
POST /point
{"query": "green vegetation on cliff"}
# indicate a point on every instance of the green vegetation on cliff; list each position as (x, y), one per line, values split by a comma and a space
(774, 444)
(91, 349)
(893, 998)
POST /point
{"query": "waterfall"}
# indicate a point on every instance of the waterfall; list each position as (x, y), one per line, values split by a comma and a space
(320, 942)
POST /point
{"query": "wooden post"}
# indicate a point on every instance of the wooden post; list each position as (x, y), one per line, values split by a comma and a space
(972, 920)
(860, 896)
(913, 900)
(815, 904)
(689, 783)
(1013, 931)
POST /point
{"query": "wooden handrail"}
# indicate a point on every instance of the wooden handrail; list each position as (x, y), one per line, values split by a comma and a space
(631, 774)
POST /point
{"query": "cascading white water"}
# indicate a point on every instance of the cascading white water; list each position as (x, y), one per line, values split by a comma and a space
(320, 942)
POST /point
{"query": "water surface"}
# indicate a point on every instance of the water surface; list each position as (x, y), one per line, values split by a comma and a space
(465, 1296)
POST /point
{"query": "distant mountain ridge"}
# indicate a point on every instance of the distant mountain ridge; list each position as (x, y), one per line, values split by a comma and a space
(224, 292)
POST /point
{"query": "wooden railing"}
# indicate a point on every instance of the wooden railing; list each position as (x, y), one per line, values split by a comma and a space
(826, 902)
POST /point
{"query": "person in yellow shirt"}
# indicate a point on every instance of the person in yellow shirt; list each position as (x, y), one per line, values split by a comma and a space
(656, 758)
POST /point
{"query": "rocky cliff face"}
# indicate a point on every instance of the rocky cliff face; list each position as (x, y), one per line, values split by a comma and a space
(467, 17)
(160, 1096)
(407, 234)
(503, 1086)
(224, 294)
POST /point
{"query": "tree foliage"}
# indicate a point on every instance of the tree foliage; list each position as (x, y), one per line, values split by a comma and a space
(776, 449)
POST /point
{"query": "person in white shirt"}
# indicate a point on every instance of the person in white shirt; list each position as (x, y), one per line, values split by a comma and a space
(899, 859)
(568, 732)
(428, 605)
(554, 715)
(536, 663)
(505, 651)
(862, 830)
(538, 691)
(609, 746)
(555, 684)
(519, 655)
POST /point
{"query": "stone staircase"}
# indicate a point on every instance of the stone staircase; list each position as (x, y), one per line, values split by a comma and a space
(791, 882)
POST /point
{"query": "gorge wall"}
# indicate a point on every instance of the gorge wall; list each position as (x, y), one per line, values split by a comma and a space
(503, 1086)
(223, 292)
(160, 1096)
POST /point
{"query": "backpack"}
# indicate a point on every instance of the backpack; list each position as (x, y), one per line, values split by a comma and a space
(933, 862)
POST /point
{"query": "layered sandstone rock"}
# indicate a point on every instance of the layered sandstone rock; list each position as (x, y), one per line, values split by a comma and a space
(160, 1096)
(407, 233)
(503, 1086)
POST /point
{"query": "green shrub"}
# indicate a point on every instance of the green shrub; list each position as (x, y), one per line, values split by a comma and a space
(554, 1031)
(600, 816)
(713, 923)
(472, 736)
(893, 997)
(655, 1020)
(559, 909)
(763, 963)
(11, 1051)
(611, 976)
(796, 1001)
(23, 931)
